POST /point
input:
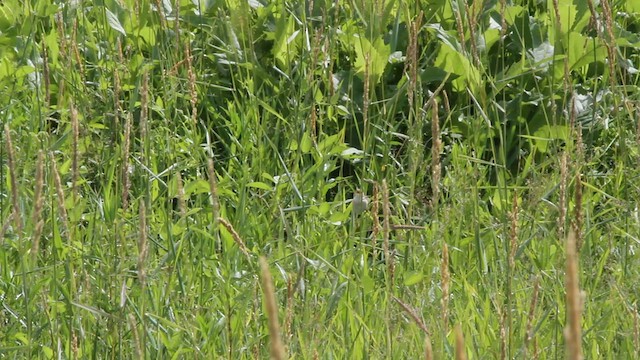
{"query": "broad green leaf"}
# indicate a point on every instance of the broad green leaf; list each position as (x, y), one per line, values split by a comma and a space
(368, 283)
(306, 143)
(284, 48)
(633, 6)
(22, 337)
(352, 153)
(567, 17)
(491, 36)
(511, 13)
(51, 41)
(454, 62)
(324, 208)
(546, 133)
(593, 51)
(432, 74)
(337, 218)
(148, 34)
(626, 38)
(329, 143)
(113, 21)
(413, 278)
(199, 186)
(334, 299)
(577, 44)
(371, 57)
(9, 14)
(444, 36)
(7, 67)
(259, 185)
(45, 9)
(92, 309)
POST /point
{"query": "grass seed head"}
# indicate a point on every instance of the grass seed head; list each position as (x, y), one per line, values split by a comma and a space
(276, 348)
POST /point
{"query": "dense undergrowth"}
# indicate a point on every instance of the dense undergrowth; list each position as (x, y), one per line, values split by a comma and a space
(153, 150)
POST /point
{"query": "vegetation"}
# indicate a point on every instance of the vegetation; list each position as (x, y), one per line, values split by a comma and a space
(153, 151)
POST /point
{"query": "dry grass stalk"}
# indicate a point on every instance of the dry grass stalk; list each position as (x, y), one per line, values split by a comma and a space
(636, 330)
(444, 272)
(513, 234)
(160, 9)
(11, 163)
(126, 183)
(182, 205)
(313, 128)
(610, 42)
(176, 25)
(503, 22)
(74, 48)
(473, 23)
(461, 353)
(436, 148)
(38, 199)
(136, 338)
(5, 227)
(365, 101)
(193, 92)
(46, 75)
(315, 52)
(276, 346)
(234, 234)
(411, 67)
(58, 184)
(573, 331)
(562, 206)
(556, 10)
(375, 210)
(289, 314)
(593, 21)
(255, 317)
(532, 309)
(62, 38)
(637, 124)
(142, 242)
(445, 102)
(116, 95)
(144, 112)
(459, 28)
(213, 189)
(577, 216)
(428, 350)
(503, 333)
(386, 229)
(310, 8)
(75, 128)
(62, 49)
(119, 48)
(74, 344)
(412, 314)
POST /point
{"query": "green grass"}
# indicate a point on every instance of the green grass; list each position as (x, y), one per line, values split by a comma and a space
(454, 122)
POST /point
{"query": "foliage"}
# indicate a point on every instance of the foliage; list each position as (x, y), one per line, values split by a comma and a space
(496, 127)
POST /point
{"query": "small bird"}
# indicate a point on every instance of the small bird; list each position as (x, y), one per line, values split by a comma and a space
(360, 202)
